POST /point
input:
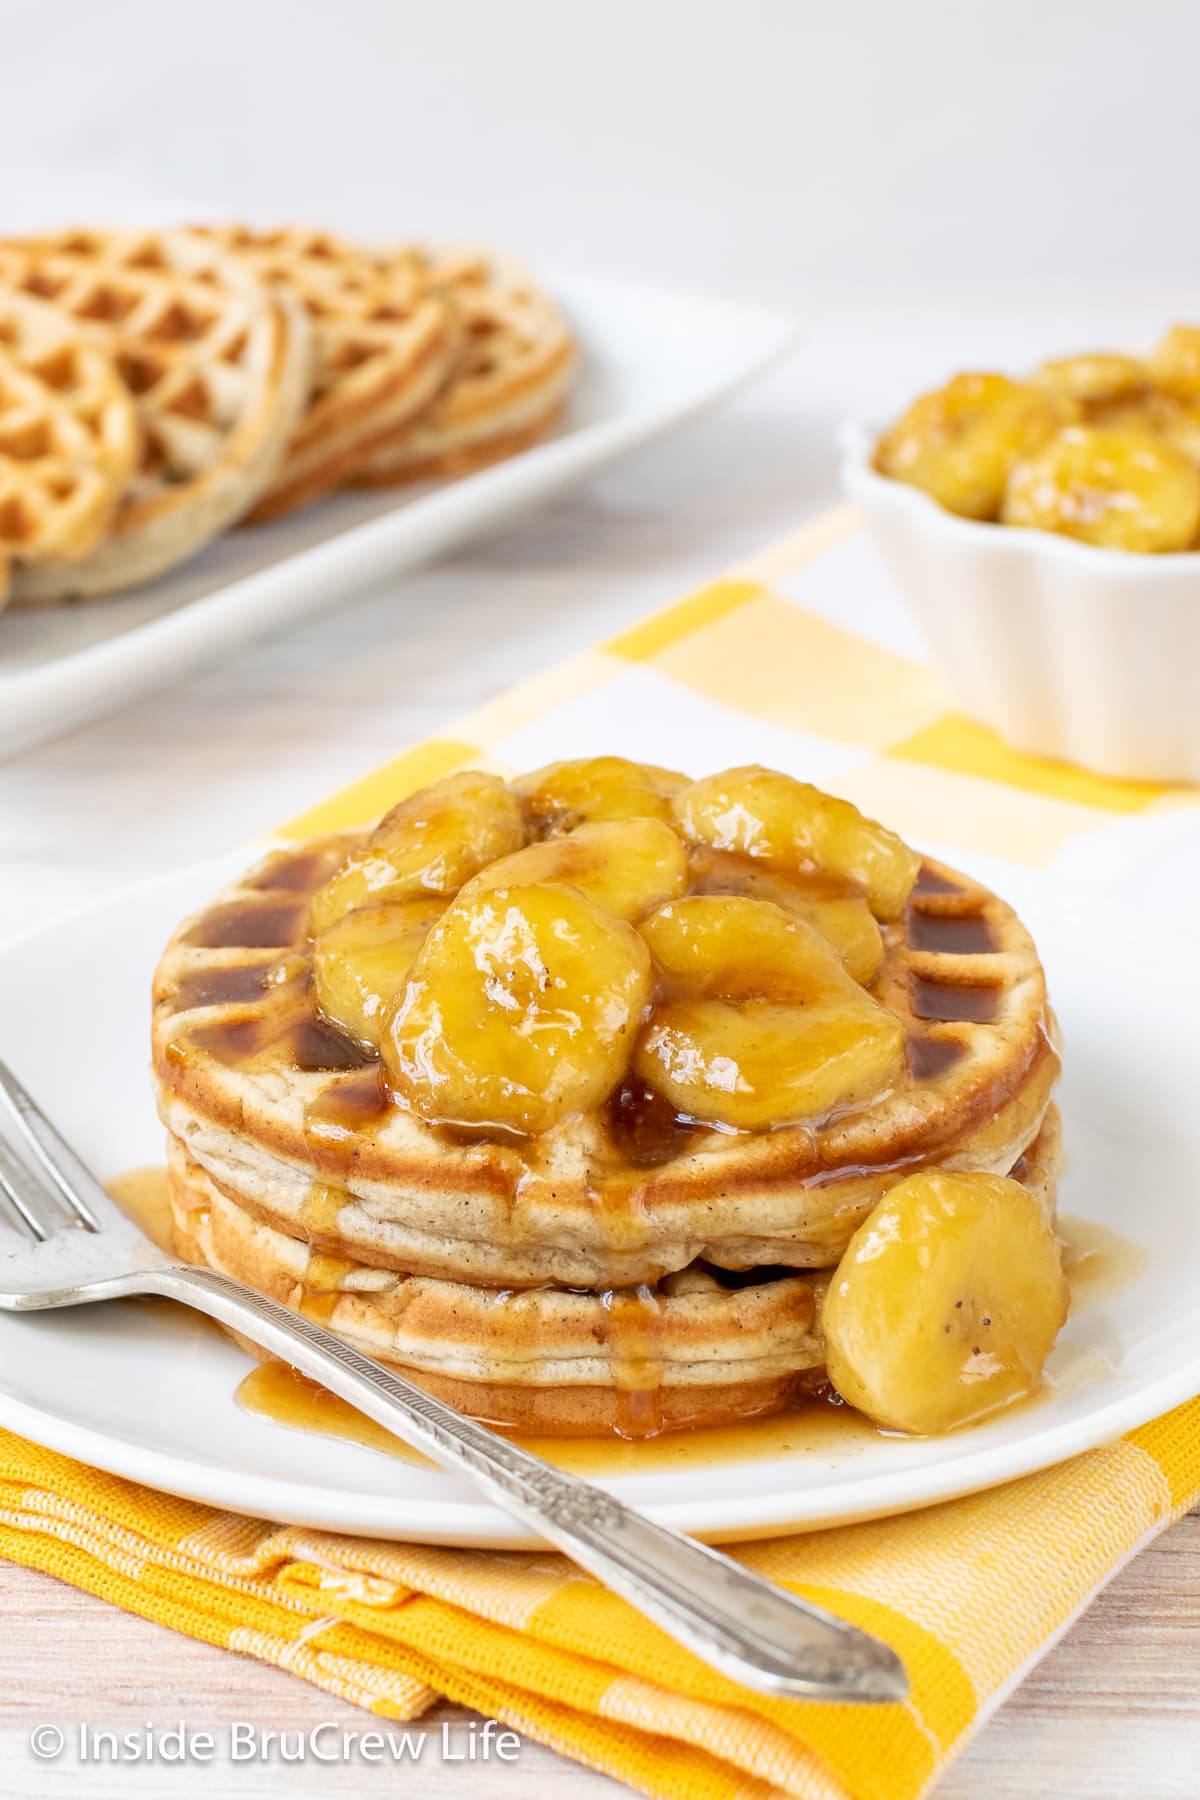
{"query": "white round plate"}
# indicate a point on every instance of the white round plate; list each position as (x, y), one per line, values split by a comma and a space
(130, 1388)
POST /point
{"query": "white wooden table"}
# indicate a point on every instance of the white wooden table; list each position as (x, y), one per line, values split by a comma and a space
(1114, 1712)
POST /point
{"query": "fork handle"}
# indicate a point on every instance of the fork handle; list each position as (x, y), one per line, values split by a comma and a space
(745, 1627)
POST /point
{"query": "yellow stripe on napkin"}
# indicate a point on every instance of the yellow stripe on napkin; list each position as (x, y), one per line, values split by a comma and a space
(968, 1593)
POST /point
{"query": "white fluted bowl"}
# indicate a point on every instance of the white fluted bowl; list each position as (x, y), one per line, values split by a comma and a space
(1069, 651)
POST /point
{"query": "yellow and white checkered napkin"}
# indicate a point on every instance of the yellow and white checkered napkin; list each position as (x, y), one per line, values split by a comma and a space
(804, 661)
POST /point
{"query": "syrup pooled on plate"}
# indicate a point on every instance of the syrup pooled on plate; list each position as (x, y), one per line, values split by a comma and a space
(142, 1196)
(820, 1427)
(1098, 1261)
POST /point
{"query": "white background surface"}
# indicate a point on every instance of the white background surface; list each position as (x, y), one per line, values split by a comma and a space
(923, 188)
(928, 184)
(759, 147)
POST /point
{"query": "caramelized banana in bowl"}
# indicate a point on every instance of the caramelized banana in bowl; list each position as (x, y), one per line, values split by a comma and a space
(1045, 531)
(610, 1101)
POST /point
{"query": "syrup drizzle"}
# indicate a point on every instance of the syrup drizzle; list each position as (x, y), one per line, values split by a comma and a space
(243, 983)
(299, 872)
(645, 1128)
(954, 1003)
(945, 935)
(316, 1045)
(1098, 1262)
(252, 925)
(929, 1057)
(815, 1424)
(344, 1113)
(930, 882)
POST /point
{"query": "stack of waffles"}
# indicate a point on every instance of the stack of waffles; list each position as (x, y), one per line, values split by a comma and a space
(576, 1098)
(157, 387)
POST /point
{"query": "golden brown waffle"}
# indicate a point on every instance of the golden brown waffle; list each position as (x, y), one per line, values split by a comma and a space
(289, 1115)
(700, 1347)
(509, 387)
(384, 341)
(218, 368)
(69, 436)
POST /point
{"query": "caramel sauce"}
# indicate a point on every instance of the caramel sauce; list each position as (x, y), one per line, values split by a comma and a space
(954, 1003)
(317, 1306)
(251, 925)
(633, 1332)
(343, 1113)
(143, 1196)
(223, 987)
(645, 1128)
(236, 1041)
(1097, 1261)
(299, 872)
(929, 1057)
(314, 1045)
(820, 1427)
(948, 936)
(930, 882)
(320, 1210)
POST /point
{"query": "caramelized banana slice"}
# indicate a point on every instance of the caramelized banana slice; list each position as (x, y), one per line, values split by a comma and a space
(946, 1303)
(1124, 490)
(798, 830)
(1178, 421)
(1097, 378)
(760, 1024)
(566, 794)
(430, 844)
(628, 866)
(842, 916)
(361, 963)
(521, 1008)
(960, 442)
(1175, 363)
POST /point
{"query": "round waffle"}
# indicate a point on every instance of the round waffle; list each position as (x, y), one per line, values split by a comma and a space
(699, 1347)
(218, 369)
(69, 436)
(509, 386)
(385, 339)
(286, 1113)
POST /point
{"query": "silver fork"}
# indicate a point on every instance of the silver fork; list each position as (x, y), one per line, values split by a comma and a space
(74, 1246)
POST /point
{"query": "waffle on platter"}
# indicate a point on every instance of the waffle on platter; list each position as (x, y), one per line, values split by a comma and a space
(218, 369)
(385, 341)
(510, 383)
(222, 374)
(765, 1033)
(69, 435)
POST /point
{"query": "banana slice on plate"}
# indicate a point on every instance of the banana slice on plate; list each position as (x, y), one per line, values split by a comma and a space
(946, 1303)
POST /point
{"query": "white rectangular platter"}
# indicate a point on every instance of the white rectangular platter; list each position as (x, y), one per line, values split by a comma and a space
(650, 360)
